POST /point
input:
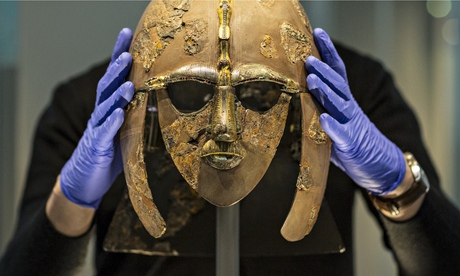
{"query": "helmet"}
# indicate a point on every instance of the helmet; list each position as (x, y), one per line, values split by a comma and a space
(221, 74)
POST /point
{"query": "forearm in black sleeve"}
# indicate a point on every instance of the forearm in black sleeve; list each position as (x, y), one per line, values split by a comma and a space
(427, 244)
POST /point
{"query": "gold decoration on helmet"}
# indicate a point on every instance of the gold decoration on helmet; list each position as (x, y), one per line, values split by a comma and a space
(267, 47)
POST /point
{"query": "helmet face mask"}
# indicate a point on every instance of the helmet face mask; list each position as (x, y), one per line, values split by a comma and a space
(222, 74)
(223, 149)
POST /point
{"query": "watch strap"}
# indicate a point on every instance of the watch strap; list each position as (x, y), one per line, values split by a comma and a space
(420, 187)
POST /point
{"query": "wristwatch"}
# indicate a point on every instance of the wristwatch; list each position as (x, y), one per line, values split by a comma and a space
(420, 187)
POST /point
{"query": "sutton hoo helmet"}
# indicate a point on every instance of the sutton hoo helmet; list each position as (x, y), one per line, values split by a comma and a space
(221, 75)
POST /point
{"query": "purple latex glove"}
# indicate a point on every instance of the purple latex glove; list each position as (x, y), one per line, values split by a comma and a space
(96, 161)
(358, 148)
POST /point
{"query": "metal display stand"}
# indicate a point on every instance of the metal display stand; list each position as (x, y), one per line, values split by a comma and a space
(227, 240)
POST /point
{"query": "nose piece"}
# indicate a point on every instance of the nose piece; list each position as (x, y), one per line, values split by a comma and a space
(223, 125)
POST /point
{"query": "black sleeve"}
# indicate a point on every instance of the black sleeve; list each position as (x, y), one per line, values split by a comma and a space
(36, 248)
(427, 244)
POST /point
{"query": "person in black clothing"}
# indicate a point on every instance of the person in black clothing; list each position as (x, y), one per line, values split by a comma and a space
(74, 182)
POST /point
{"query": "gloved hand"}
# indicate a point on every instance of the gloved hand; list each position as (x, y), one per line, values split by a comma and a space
(358, 147)
(96, 161)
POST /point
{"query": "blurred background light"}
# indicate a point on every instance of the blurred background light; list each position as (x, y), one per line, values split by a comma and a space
(450, 31)
(438, 8)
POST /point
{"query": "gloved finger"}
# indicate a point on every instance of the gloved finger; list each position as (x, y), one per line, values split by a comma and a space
(119, 99)
(328, 76)
(105, 133)
(115, 75)
(338, 132)
(122, 44)
(328, 52)
(335, 105)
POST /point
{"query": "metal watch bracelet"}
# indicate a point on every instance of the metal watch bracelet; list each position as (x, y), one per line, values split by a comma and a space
(420, 187)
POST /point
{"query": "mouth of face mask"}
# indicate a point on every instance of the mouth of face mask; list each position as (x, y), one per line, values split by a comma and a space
(222, 155)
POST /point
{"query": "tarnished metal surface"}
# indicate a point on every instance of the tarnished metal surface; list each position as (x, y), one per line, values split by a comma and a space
(223, 149)
(188, 142)
(224, 133)
(193, 72)
(256, 72)
(196, 36)
(315, 131)
(185, 203)
(183, 137)
(311, 182)
(132, 145)
(127, 234)
(297, 46)
(162, 21)
(265, 130)
(303, 15)
(267, 47)
(304, 180)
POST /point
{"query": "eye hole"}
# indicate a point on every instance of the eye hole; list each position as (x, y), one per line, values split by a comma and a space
(189, 96)
(258, 96)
